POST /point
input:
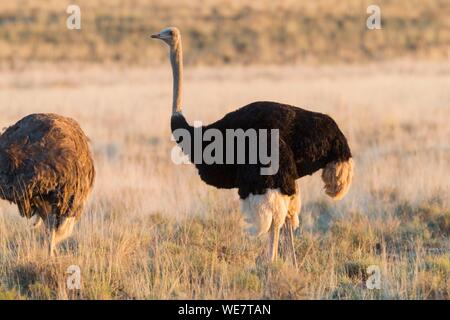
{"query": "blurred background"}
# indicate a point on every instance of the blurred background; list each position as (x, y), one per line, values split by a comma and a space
(219, 32)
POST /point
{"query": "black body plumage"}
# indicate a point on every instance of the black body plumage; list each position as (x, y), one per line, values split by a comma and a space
(308, 141)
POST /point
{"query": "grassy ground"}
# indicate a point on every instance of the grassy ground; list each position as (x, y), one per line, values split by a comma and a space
(222, 31)
(154, 230)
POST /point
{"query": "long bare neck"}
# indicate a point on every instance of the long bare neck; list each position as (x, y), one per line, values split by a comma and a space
(176, 59)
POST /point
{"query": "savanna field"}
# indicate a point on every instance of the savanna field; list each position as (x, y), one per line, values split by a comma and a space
(154, 230)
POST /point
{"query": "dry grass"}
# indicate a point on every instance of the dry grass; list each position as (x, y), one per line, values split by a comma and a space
(154, 230)
(223, 31)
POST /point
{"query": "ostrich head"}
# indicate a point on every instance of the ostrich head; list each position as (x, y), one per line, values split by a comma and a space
(170, 35)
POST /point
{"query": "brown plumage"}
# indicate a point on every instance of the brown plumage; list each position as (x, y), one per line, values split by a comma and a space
(46, 168)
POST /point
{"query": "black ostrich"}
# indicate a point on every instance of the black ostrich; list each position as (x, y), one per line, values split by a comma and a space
(307, 141)
(46, 168)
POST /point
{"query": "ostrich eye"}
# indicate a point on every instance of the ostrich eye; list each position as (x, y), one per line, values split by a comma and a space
(171, 32)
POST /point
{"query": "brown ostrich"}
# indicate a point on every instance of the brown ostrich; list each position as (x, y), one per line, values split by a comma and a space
(46, 168)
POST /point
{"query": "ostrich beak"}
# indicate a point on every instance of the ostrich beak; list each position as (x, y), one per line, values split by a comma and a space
(155, 36)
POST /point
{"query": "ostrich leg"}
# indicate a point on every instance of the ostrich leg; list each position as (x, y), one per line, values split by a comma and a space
(273, 243)
(52, 245)
(290, 239)
(64, 229)
(291, 223)
(37, 222)
(60, 231)
(51, 224)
